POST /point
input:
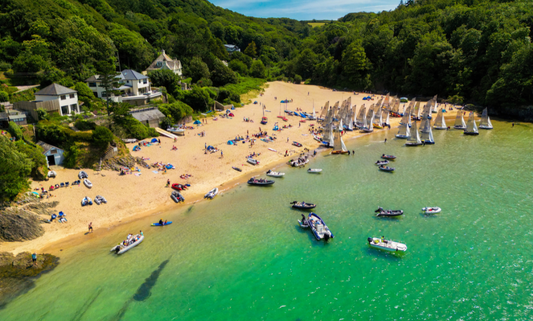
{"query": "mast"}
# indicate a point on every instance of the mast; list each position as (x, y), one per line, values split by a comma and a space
(425, 131)
(414, 138)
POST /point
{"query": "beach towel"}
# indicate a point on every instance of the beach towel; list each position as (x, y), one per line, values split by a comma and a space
(155, 172)
(137, 174)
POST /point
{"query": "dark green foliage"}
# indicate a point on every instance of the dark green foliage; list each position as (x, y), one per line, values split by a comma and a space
(175, 111)
(4, 96)
(125, 126)
(222, 75)
(83, 90)
(15, 130)
(197, 69)
(52, 134)
(71, 155)
(298, 79)
(166, 78)
(102, 137)
(42, 114)
(258, 69)
(15, 167)
(35, 153)
(198, 98)
(84, 124)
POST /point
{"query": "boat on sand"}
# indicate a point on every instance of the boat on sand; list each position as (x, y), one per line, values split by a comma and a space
(212, 193)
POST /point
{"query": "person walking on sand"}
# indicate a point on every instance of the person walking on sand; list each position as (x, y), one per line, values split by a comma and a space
(221, 154)
(385, 140)
(90, 227)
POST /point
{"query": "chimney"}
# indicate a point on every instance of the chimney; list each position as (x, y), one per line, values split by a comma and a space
(163, 51)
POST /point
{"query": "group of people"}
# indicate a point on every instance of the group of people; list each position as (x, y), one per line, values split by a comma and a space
(248, 120)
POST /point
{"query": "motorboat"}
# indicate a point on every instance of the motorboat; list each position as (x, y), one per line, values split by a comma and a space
(52, 174)
(260, 181)
(252, 161)
(82, 175)
(274, 174)
(384, 168)
(386, 245)
(131, 242)
(389, 157)
(99, 199)
(212, 193)
(431, 210)
(179, 187)
(177, 197)
(314, 170)
(318, 227)
(86, 201)
(87, 183)
(177, 131)
(381, 162)
(302, 205)
(297, 144)
(381, 212)
(301, 161)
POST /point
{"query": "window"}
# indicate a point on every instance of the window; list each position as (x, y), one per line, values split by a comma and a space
(64, 110)
(53, 151)
(72, 95)
(145, 81)
(159, 64)
(92, 84)
(63, 97)
(74, 108)
(139, 81)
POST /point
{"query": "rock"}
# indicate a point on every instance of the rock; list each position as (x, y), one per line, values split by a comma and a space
(19, 225)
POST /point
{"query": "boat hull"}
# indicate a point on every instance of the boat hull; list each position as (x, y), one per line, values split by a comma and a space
(459, 127)
(485, 127)
(471, 134)
(337, 152)
(440, 128)
(402, 136)
(413, 144)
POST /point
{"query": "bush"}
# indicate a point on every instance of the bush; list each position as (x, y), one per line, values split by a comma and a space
(4, 66)
(15, 130)
(4, 96)
(297, 79)
(35, 153)
(42, 114)
(175, 111)
(102, 137)
(84, 125)
(71, 155)
(83, 90)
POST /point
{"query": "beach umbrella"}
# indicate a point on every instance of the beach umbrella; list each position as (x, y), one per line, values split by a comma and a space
(197, 122)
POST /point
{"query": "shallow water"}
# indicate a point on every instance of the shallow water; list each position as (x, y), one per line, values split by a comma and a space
(242, 256)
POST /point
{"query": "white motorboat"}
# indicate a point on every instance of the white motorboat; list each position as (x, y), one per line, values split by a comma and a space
(252, 161)
(314, 170)
(431, 210)
(132, 242)
(52, 174)
(275, 174)
(386, 245)
(301, 161)
(212, 193)
(87, 183)
(319, 228)
(177, 131)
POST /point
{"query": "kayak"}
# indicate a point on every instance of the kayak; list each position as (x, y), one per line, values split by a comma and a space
(157, 224)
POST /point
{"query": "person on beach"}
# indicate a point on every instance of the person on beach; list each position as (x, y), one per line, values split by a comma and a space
(513, 125)
(168, 182)
(34, 258)
(385, 140)
(90, 227)
(141, 233)
(221, 154)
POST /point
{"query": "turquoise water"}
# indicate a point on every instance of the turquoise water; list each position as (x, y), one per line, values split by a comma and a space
(242, 256)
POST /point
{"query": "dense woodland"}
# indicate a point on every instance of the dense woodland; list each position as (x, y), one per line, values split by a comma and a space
(472, 51)
(476, 50)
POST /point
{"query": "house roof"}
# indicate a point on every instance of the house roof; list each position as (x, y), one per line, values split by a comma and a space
(46, 146)
(171, 63)
(130, 74)
(55, 90)
(147, 114)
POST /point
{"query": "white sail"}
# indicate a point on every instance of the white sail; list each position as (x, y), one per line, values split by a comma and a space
(440, 122)
(459, 120)
(387, 121)
(403, 131)
(406, 116)
(485, 120)
(471, 126)
(426, 135)
(414, 138)
(361, 118)
(369, 125)
(338, 144)
(378, 118)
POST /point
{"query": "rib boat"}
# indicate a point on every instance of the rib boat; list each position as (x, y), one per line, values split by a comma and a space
(260, 181)
(318, 227)
(121, 248)
(386, 245)
(274, 174)
(212, 193)
(381, 212)
(302, 205)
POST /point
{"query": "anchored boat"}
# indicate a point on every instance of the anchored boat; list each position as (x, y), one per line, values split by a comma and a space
(386, 245)
(431, 210)
(318, 227)
(127, 245)
(302, 205)
(381, 212)
(274, 174)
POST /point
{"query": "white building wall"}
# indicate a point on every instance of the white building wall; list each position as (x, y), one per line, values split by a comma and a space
(68, 102)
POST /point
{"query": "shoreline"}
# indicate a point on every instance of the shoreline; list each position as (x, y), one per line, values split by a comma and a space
(125, 197)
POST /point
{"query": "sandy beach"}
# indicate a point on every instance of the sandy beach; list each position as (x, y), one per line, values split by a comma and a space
(132, 196)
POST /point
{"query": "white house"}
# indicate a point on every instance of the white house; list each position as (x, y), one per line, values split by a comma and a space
(231, 48)
(165, 62)
(54, 155)
(134, 87)
(54, 98)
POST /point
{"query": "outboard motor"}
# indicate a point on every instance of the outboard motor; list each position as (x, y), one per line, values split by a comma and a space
(326, 237)
(370, 240)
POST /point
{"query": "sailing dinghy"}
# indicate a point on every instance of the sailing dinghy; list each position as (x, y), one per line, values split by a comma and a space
(485, 120)
(471, 127)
